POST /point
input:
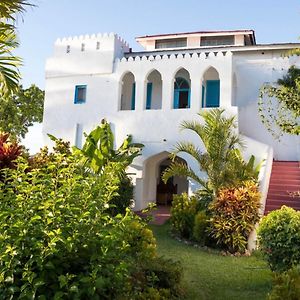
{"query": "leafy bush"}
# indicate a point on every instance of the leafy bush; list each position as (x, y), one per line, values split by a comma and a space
(200, 227)
(9, 151)
(164, 275)
(279, 238)
(57, 240)
(124, 196)
(286, 285)
(234, 215)
(183, 211)
(204, 198)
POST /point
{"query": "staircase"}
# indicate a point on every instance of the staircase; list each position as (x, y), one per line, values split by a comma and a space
(285, 179)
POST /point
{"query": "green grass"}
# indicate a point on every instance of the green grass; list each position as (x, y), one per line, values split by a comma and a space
(209, 275)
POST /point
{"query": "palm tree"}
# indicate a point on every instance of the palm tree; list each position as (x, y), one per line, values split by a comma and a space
(222, 161)
(9, 63)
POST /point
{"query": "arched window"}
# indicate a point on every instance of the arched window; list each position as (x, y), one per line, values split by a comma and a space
(211, 88)
(154, 90)
(182, 91)
(128, 92)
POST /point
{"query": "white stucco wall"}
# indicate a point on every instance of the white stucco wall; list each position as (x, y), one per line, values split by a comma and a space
(241, 74)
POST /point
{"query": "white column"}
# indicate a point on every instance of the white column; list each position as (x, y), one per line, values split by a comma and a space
(139, 95)
(196, 93)
(226, 85)
(167, 92)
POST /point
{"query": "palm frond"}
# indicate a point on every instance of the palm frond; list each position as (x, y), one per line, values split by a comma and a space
(9, 72)
(8, 8)
(181, 169)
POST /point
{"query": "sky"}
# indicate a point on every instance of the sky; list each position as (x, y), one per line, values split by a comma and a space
(274, 21)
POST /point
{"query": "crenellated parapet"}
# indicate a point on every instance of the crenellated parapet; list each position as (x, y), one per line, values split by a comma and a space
(175, 56)
(85, 55)
(90, 43)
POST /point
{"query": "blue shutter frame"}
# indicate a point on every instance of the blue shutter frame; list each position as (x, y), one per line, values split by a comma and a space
(212, 93)
(149, 95)
(176, 99)
(133, 97)
(76, 99)
(203, 95)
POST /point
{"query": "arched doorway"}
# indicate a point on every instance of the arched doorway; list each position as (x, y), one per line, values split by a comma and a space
(154, 90)
(176, 185)
(182, 90)
(211, 88)
(152, 182)
(128, 92)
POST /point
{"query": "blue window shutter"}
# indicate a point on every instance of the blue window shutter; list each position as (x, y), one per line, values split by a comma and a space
(203, 92)
(176, 99)
(133, 97)
(189, 98)
(149, 95)
(80, 94)
(212, 93)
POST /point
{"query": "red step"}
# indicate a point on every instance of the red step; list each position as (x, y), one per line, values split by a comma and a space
(285, 179)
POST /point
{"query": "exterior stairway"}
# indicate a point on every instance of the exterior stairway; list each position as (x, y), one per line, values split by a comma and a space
(285, 179)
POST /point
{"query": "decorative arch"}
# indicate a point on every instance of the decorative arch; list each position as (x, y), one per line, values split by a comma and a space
(155, 190)
(182, 89)
(127, 81)
(154, 90)
(211, 88)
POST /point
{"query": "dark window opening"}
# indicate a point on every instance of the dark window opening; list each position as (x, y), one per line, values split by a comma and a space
(217, 40)
(171, 43)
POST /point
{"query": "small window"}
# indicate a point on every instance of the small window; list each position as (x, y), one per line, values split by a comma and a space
(98, 46)
(170, 43)
(80, 94)
(68, 49)
(82, 47)
(217, 40)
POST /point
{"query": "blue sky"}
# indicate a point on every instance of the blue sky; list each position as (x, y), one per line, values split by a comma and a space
(273, 20)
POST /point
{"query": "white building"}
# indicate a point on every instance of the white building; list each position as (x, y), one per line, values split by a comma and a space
(149, 93)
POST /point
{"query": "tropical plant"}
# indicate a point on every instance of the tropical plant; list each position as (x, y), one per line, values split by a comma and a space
(201, 224)
(9, 151)
(9, 63)
(279, 238)
(234, 213)
(58, 240)
(183, 211)
(279, 105)
(222, 161)
(20, 110)
(98, 149)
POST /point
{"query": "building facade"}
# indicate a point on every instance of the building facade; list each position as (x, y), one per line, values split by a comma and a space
(148, 94)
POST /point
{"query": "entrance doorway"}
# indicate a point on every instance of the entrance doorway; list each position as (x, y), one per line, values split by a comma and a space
(176, 185)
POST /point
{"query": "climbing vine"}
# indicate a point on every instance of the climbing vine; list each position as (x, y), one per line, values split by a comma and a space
(279, 105)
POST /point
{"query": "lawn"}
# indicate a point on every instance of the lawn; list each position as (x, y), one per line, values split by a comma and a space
(209, 275)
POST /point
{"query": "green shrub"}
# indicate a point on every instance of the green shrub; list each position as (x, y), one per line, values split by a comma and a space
(58, 241)
(235, 211)
(204, 198)
(124, 196)
(279, 238)
(163, 275)
(286, 285)
(183, 211)
(200, 227)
